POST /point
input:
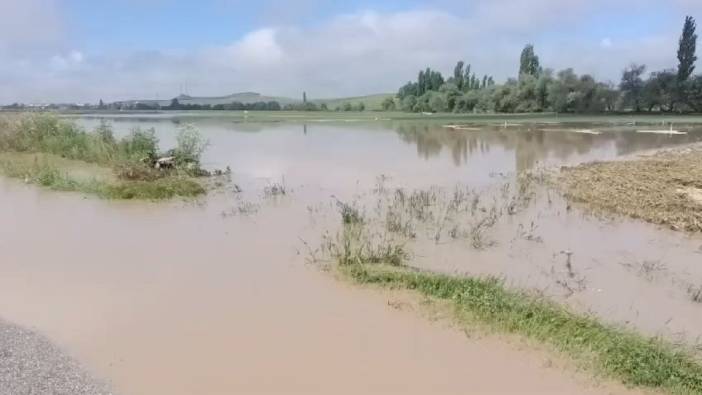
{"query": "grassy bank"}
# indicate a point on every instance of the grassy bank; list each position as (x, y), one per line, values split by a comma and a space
(56, 154)
(663, 189)
(610, 351)
(372, 247)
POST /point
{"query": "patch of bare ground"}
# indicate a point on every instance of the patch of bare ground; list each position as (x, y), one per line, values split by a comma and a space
(664, 188)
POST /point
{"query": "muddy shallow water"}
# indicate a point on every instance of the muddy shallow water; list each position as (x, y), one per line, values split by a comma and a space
(203, 297)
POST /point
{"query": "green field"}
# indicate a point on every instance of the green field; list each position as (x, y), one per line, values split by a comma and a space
(371, 102)
(446, 118)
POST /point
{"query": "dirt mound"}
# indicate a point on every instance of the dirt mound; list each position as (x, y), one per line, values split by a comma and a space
(664, 189)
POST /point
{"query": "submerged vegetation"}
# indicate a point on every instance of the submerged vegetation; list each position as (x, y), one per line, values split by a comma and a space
(374, 249)
(36, 148)
(664, 189)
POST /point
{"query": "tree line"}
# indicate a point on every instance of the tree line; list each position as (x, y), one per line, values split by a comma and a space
(539, 89)
(536, 89)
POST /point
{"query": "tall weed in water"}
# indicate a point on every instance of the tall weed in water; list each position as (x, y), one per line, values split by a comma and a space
(139, 145)
(190, 146)
(355, 244)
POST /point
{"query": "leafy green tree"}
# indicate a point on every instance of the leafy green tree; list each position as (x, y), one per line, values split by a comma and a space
(506, 97)
(410, 88)
(560, 91)
(686, 50)
(474, 84)
(606, 95)
(526, 94)
(528, 62)
(408, 103)
(632, 86)
(458, 75)
(542, 84)
(435, 80)
(450, 92)
(585, 98)
(660, 91)
(485, 103)
(421, 84)
(388, 104)
(693, 93)
(437, 103)
(361, 107)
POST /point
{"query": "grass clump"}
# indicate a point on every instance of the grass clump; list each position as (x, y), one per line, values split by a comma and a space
(140, 170)
(350, 214)
(357, 245)
(618, 353)
(275, 189)
(164, 188)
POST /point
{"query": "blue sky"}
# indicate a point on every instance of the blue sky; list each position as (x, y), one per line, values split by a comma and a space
(80, 50)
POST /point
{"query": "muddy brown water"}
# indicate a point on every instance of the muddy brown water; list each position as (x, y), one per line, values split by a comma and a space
(185, 298)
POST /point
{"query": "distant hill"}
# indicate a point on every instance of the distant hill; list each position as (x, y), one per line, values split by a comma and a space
(242, 97)
(372, 102)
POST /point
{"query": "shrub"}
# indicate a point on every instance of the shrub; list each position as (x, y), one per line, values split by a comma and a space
(190, 146)
(140, 145)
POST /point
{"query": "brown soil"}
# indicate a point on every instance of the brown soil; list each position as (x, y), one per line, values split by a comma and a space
(665, 188)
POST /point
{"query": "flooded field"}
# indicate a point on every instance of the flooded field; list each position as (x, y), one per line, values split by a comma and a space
(220, 295)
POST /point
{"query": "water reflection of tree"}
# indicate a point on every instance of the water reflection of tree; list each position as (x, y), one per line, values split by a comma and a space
(628, 142)
(530, 145)
(430, 141)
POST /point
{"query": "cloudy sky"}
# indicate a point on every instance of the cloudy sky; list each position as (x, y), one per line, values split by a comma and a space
(84, 50)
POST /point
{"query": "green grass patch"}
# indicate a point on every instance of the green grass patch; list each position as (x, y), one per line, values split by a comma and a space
(163, 188)
(45, 150)
(45, 173)
(618, 353)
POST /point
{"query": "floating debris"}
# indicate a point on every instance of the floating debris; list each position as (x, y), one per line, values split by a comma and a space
(587, 131)
(654, 131)
(661, 131)
(461, 127)
(506, 124)
(583, 131)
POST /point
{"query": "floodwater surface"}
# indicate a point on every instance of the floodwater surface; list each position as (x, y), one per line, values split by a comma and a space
(217, 296)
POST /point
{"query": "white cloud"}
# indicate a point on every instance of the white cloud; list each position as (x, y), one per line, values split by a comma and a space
(349, 54)
(72, 61)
